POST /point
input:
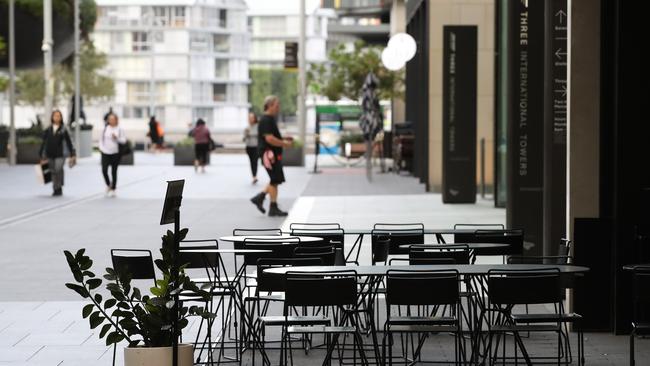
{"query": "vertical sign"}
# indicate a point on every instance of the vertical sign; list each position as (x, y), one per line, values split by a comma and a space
(555, 125)
(459, 114)
(291, 55)
(526, 130)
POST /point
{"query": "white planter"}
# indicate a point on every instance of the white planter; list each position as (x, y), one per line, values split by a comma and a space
(158, 356)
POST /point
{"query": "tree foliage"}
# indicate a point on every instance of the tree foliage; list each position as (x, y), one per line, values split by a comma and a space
(279, 82)
(30, 85)
(344, 73)
(64, 9)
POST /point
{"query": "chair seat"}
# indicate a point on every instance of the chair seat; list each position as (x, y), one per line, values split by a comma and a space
(295, 320)
(321, 329)
(421, 320)
(546, 318)
(525, 328)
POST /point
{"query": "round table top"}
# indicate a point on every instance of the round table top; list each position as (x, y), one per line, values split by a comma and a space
(464, 269)
(414, 230)
(242, 238)
(225, 251)
(471, 246)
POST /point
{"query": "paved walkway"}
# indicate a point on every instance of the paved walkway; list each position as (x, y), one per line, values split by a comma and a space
(40, 320)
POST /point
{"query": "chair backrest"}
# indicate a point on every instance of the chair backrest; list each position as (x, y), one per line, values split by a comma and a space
(515, 287)
(399, 234)
(541, 259)
(334, 288)
(379, 249)
(326, 254)
(480, 226)
(198, 260)
(277, 248)
(458, 253)
(137, 262)
(640, 293)
(268, 282)
(513, 237)
(564, 250)
(421, 261)
(406, 287)
(264, 232)
(330, 233)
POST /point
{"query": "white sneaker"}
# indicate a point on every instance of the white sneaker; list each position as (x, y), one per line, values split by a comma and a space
(108, 192)
(112, 193)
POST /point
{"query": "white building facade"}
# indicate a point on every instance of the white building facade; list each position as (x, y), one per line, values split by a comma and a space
(183, 59)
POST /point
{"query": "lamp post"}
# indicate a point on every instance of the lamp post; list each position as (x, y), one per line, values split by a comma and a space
(77, 86)
(47, 49)
(12, 85)
(302, 78)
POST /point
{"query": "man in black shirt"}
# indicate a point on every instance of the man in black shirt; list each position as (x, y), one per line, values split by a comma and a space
(270, 149)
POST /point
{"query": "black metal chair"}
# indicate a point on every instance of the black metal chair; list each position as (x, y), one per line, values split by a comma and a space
(379, 249)
(331, 233)
(399, 234)
(513, 237)
(420, 261)
(404, 288)
(535, 286)
(458, 253)
(640, 304)
(138, 263)
(336, 290)
(326, 254)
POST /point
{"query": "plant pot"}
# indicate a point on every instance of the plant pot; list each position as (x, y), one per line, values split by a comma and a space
(184, 155)
(357, 149)
(292, 156)
(158, 356)
(27, 153)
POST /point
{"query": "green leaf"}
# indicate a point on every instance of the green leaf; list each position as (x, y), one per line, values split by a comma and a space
(96, 319)
(123, 305)
(98, 298)
(93, 283)
(110, 303)
(88, 274)
(114, 337)
(87, 310)
(78, 289)
(105, 329)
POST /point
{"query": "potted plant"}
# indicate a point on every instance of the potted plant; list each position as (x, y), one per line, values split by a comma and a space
(28, 144)
(293, 156)
(143, 321)
(184, 152)
(357, 142)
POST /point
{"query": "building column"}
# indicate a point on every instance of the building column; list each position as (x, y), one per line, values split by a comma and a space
(398, 25)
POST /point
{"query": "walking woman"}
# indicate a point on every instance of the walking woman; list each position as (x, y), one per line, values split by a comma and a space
(250, 138)
(109, 146)
(202, 139)
(53, 152)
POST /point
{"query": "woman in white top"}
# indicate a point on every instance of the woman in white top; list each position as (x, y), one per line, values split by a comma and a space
(250, 138)
(109, 145)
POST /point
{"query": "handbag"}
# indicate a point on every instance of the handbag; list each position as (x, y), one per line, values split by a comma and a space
(125, 148)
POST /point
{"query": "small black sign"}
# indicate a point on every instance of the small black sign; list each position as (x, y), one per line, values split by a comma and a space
(459, 114)
(290, 55)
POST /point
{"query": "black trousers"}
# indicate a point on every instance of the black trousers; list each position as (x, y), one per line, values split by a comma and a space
(253, 156)
(201, 152)
(112, 160)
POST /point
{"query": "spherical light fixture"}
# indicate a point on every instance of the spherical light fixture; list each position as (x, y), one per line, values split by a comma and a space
(404, 45)
(391, 59)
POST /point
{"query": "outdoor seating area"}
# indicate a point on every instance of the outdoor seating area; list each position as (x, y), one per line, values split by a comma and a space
(305, 294)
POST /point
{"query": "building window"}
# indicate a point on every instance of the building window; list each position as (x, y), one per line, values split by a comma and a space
(161, 15)
(137, 92)
(135, 112)
(199, 42)
(140, 41)
(220, 43)
(317, 26)
(219, 92)
(179, 17)
(223, 18)
(221, 68)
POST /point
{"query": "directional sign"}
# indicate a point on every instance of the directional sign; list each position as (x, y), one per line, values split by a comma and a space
(290, 55)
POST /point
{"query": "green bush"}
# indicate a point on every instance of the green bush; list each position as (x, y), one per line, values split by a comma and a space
(353, 138)
(30, 140)
(188, 141)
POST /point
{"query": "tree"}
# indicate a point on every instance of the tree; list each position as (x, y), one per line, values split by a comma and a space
(345, 72)
(4, 83)
(65, 9)
(30, 84)
(280, 82)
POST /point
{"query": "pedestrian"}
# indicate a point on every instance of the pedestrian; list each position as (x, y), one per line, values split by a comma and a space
(109, 145)
(202, 140)
(270, 149)
(252, 149)
(56, 140)
(156, 134)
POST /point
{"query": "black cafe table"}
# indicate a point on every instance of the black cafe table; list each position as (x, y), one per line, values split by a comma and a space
(360, 233)
(473, 274)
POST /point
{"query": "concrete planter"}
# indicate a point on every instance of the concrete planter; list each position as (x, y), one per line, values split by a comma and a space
(4, 140)
(184, 155)
(292, 156)
(158, 356)
(27, 153)
(357, 149)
